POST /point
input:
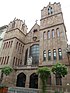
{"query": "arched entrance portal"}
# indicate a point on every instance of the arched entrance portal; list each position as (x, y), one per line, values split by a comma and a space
(33, 81)
(21, 78)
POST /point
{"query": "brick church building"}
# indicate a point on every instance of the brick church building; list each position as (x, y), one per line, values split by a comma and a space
(44, 45)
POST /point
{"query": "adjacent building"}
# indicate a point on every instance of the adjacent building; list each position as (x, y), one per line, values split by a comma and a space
(2, 33)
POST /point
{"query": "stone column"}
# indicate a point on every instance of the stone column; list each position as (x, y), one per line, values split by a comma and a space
(27, 81)
(39, 84)
(28, 52)
(53, 81)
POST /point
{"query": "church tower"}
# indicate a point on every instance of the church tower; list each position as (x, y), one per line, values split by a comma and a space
(53, 39)
(13, 43)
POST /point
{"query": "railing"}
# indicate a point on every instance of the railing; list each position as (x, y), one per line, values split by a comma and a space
(22, 90)
(25, 66)
(49, 89)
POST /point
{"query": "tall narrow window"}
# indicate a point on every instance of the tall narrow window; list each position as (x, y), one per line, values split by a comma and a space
(53, 34)
(7, 59)
(44, 55)
(2, 60)
(7, 45)
(11, 43)
(22, 49)
(49, 55)
(48, 34)
(60, 53)
(16, 62)
(19, 48)
(50, 10)
(54, 54)
(13, 61)
(26, 55)
(57, 31)
(44, 35)
(16, 45)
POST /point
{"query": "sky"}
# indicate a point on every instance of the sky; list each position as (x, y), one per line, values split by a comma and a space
(30, 11)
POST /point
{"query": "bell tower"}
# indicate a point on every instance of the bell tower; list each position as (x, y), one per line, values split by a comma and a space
(53, 35)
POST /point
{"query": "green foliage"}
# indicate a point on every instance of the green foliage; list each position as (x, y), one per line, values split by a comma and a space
(59, 69)
(7, 70)
(43, 73)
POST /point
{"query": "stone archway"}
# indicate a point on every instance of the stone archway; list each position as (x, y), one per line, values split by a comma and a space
(33, 81)
(21, 79)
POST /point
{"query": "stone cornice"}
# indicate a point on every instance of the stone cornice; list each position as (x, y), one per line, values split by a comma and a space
(21, 41)
(51, 16)
(52, 26)
(15, 29)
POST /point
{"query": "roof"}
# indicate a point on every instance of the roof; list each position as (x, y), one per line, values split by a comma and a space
(3, 27)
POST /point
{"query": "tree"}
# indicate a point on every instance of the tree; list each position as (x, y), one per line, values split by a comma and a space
(59, 69)
(44, 73)
(7, 70)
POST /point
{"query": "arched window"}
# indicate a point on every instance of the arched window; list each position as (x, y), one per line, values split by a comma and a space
(34, 53)
(50, 10)
(49, 54)
(48, 34)
(60, 53)
(54, 54)
(16, 45)
(11, 43)
(21, 78)
(7, 45)
(53, 34)
(44, 35)
(33, 81)
(44, 55)
(57, 31)
(13, 61)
